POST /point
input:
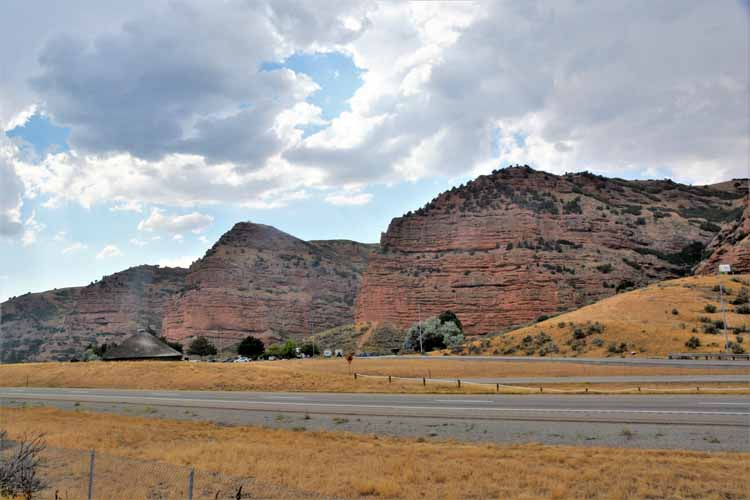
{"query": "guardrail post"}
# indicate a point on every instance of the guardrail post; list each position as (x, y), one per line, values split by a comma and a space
(587, 390)
(389, 379)
(191, 480)
(459, 383)
(355, 375)
(498, 387)
(424, 381)
(639, 389)
(541, 389)
(91, 475)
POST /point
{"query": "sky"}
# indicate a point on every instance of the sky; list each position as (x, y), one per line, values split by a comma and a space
(140, 132)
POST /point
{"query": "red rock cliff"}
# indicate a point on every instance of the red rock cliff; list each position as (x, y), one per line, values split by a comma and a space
(512, 246)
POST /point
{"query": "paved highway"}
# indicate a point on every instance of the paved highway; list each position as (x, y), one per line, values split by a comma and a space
(684, 410)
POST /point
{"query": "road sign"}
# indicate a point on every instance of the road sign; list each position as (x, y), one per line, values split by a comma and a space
(725, 269)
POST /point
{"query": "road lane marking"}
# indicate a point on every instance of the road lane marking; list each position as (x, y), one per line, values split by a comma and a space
(463, 401)
(726, 404)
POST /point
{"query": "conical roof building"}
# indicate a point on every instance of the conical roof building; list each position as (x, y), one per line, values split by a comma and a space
(142, 346)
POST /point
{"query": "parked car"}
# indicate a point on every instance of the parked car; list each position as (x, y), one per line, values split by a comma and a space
(242, 359)
(327, 353)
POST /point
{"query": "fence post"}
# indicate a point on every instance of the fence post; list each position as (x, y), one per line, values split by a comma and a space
(498, 387)
(191, 480)
(459, 383)
(389, 379)
(424, 382)
(91, 476)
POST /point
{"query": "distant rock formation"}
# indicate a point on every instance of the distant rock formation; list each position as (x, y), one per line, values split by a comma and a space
(257, 280)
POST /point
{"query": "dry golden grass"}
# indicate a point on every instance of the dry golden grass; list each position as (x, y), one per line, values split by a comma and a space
(346, 466)
(643, 319)
(317, 375)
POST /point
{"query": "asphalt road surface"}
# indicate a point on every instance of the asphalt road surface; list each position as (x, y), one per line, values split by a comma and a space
(699, 422)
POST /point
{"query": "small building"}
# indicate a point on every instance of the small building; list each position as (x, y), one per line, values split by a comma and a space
(142, 346)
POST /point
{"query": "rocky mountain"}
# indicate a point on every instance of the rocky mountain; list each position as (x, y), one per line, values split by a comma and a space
(257, 280)
(519, 244)
(59, 324)
(254, 280)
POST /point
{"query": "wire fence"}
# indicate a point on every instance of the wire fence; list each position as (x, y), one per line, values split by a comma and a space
(507, 388)
(72, 474)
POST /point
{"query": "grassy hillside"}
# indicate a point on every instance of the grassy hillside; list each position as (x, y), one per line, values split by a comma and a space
(652, 321)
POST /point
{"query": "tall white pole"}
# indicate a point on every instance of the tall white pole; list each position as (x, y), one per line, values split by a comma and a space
(724, 309)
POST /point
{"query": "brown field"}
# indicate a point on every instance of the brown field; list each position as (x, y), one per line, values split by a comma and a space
(321, 375)
(652, 321)
(347, 466)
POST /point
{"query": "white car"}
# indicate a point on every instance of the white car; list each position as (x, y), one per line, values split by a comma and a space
(242, 359)
(327, 353)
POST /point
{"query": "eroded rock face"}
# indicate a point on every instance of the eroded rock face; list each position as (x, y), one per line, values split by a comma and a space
(731, 246)
(510, 247)
(59, 324)
(257, 280)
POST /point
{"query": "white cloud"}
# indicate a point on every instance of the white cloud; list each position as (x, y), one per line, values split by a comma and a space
(11, 191)
(203, 239)
(23, 116)
(109, 251)
(127, 206)
(178, 262)
(74, 247)
(60, 236)
(178, 238)
(158, 220)
(138, 243)
(349, 197)
(31, 228)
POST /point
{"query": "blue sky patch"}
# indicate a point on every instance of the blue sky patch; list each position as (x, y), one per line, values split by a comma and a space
(43, 135)
(334, 72)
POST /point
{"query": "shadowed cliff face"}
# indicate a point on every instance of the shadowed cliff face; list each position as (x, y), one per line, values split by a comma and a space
(59, 324)
(260, 281)
(510, 247)
(731, 246)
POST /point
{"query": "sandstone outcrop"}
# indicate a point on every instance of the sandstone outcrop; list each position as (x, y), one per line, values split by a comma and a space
(257, 280)
(508, 248)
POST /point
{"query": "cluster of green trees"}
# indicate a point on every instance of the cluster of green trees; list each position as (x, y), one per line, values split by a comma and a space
(253, 347)
(437, 332)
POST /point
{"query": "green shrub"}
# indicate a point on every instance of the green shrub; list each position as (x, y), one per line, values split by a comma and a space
(251, 347)
(710, 308)
(202, 347)
(693, 343)
(743, 297)
(605, 268)
(743, 309)
(598, 342)
(435, 334)
(675, 312)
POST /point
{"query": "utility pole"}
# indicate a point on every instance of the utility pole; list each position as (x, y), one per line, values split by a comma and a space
(724, 309)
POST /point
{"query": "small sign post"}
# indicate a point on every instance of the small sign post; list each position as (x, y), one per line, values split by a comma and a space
(725, 269)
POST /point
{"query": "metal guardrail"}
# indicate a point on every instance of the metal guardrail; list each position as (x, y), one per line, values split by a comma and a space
(722, 356)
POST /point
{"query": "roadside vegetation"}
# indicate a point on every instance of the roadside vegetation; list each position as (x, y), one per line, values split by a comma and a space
(343, 465)
(322, 375)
